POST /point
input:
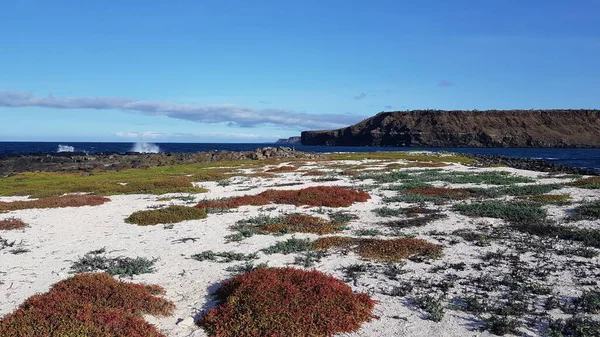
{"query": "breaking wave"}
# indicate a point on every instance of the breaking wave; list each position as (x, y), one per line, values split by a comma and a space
(145, 148)
(66, 148)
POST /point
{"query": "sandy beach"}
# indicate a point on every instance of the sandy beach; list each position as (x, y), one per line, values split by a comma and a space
(474, 248)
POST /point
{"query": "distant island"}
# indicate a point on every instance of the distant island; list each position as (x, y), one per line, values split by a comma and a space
(290, 141)
(458, 128)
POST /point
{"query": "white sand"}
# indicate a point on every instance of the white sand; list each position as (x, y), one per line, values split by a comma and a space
(58, 237)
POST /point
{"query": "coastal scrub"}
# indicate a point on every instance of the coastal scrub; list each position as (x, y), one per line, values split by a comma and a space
(286, 302)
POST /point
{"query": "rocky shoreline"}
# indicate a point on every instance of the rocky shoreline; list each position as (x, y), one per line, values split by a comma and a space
(82, 162)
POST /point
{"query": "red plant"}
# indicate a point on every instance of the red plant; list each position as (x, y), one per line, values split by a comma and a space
(55, 202)
(329, 196)
(283, 169)
(12, 223)
(286, 302)
(91, 305)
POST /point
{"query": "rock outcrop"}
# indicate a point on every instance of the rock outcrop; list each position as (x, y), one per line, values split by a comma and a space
(81, 162)
(492, 128)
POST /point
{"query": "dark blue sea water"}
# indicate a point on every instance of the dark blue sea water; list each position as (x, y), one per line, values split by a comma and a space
(581, 158)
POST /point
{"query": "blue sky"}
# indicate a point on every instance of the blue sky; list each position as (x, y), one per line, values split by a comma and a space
(258, 70)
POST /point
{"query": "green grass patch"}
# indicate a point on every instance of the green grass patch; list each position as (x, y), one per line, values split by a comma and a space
(513, 211)
(171, 214)
(153, 180)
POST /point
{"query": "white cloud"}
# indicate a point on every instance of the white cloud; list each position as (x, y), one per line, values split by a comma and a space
(234, 114)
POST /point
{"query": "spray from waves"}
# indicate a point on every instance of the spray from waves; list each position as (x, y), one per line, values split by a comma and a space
(66, 148)
(145, 148)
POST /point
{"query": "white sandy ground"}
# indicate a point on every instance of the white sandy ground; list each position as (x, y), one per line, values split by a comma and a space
(58, 237)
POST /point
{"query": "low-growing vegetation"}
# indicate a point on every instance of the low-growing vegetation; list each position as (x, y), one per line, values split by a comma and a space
(512, 211)
(167, 215)
(328, 196)
(54, 202)
(291, 223)
(90, 305)
(392, 250)
(587, 211)
(12, 224)
(223, 257)
(153, 180)
(592, 183)
(286, 302)
(124, 266)
(284, 168)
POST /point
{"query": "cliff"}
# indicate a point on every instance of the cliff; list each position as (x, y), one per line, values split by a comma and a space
(291, 140)
(492, 128)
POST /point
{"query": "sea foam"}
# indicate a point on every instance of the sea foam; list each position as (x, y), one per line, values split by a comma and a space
(145, 148)
(66, 148)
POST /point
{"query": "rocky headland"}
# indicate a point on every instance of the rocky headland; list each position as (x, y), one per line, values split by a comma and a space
(492, 128)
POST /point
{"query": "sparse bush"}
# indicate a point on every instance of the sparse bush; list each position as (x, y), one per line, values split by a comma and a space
(223, 257)
(124, 266)
(588, 211)
(500, 325)
(54, 202)
(431, 305)
(367, 232)
(516, 212)
(587, 236)
(592, 183)
(289, 246)
(12, 224)
(171, 214)
(341, 217)
(286, 302)
(328, 196)
(413, 222)
(589, 301)
(577, 326)
(90, 305)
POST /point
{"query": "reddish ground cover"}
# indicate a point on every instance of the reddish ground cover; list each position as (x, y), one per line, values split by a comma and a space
(288, 302)
(90, 305)
(301, 223)
(329, 196)
(393, 250)
(282, 169)
(11, 224)
(54, 202)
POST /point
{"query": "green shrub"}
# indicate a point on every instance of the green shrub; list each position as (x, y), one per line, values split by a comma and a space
(516, 212)
(171, 214)
(588, 211)
(124, 266)
(223, 257)
(289, 246)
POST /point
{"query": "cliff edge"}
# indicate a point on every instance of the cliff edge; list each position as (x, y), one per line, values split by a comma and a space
(491, 128)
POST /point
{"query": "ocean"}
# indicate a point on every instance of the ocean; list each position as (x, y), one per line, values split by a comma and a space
(588, 159)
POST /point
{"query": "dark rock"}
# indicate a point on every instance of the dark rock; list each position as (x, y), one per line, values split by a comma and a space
(80, 162)
(493, 128)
